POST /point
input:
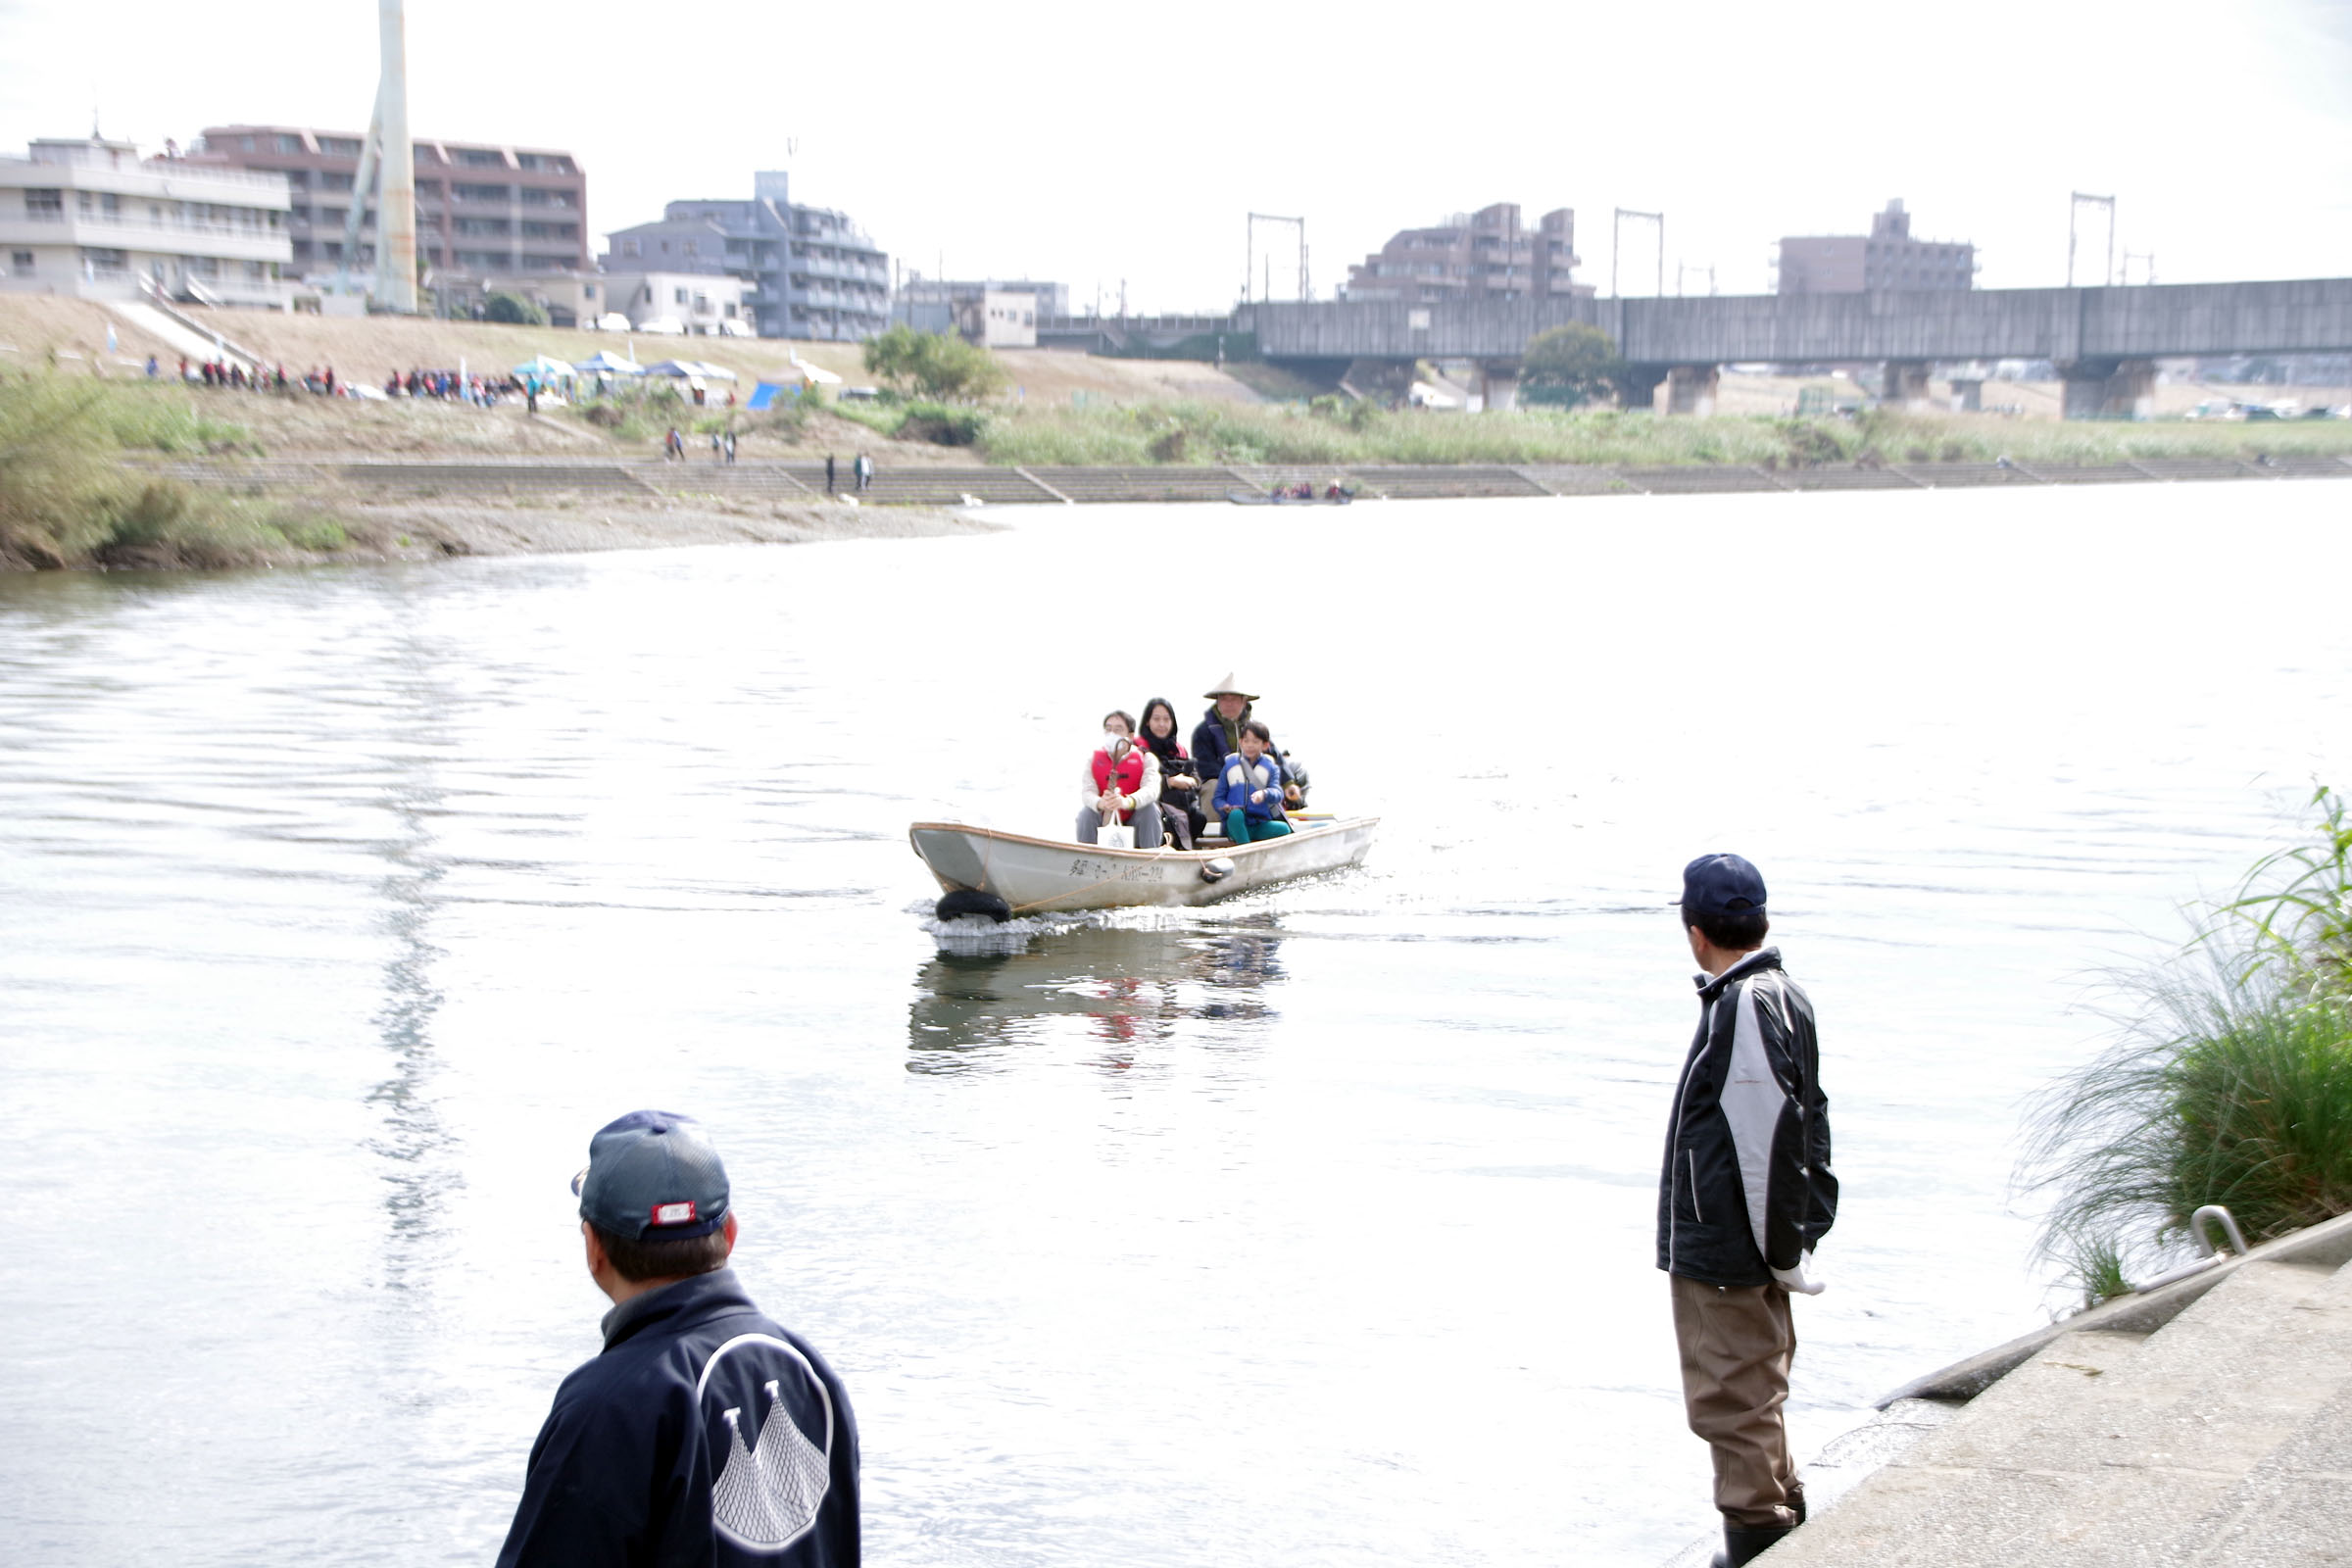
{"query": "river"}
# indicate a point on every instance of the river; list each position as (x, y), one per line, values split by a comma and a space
(342, 905)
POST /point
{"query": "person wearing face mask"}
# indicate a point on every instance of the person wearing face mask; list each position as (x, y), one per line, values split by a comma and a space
(1122, 784)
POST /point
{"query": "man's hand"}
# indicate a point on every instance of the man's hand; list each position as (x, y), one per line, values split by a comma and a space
(1108, 806)
(1795, 1279)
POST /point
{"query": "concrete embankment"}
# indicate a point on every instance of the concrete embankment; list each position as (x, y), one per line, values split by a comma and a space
(951, 486)
(2207, 1421)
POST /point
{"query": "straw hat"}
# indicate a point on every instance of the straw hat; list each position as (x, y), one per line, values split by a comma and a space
(1229, 687)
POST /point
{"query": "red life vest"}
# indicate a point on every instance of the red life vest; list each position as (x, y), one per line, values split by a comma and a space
(1131, 773)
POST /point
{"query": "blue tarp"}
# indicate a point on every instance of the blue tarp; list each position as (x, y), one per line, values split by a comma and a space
(765, 394)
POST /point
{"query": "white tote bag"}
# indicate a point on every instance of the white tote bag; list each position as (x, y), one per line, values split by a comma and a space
(1114, 836)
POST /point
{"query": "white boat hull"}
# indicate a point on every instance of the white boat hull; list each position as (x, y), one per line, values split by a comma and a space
(1051, 876)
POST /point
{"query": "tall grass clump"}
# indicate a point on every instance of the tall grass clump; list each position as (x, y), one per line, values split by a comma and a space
(66, 498)
(2230, 1080)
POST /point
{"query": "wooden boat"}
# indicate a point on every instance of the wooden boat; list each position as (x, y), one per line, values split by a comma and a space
(1054, 876)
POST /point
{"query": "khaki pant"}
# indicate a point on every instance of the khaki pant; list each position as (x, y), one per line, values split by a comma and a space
(1736, 1344)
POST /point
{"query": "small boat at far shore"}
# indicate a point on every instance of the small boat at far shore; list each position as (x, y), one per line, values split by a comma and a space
(1260, 498)
(1054, 876)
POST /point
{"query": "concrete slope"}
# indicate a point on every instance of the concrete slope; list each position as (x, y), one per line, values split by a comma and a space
(2120, 1448)
(182, 340)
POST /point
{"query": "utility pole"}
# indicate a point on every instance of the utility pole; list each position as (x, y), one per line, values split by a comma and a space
(1250, 269)
(1617, 228)
(2073, 213)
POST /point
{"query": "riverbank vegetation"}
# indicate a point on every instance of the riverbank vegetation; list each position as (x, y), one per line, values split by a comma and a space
(67, 497)
(2230, 1080)
(1335, 431)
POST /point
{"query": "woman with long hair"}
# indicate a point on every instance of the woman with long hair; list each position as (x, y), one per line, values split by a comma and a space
(1179, 785)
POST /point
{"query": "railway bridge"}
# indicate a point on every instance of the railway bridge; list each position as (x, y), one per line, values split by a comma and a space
(2104, 341)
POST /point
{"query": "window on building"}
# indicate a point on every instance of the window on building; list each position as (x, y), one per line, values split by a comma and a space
(246, 142)
(340, 146)
(40, 204)
(292, 144)
(481, 157)
(677, 296)
(629, 247)
(21, 262)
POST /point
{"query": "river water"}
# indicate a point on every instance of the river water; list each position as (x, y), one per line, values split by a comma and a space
(340, 905)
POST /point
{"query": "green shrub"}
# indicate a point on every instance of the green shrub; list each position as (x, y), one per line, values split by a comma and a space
(942, 425)
(2230, 1080)
(512, 310)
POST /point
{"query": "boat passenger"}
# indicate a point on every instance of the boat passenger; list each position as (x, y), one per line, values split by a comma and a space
(1122, 784)
(1218, 736)
(1179, 786)
(1249, 789)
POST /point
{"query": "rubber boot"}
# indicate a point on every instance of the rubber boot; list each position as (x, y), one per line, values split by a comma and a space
(1742, 1544)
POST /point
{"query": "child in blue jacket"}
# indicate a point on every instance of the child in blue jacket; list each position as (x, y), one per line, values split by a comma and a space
(1249, 789)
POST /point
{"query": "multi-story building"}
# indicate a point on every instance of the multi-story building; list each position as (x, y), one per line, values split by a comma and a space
(1483, 255)
(479, 208)
(813, 272)
(1888, 258)
(696, 302)
(990, 311)
(91, 217)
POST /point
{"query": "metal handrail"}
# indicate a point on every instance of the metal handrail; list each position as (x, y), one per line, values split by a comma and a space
(2200, 1224)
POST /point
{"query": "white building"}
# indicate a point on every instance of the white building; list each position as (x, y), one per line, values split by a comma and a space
(91, 219)
(709, 304)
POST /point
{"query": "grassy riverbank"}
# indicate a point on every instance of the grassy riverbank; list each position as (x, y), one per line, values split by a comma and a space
(73, 496)
(2230, 1082)
(1340, 434)
(66, 499)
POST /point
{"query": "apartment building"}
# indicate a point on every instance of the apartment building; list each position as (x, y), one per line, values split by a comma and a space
(1887, 258)
(479, 208)
(810, 272)
(1488, 254)
(88, 217)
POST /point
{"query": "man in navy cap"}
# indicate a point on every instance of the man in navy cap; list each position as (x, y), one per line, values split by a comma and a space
(1745, 1195)
(704, 1434)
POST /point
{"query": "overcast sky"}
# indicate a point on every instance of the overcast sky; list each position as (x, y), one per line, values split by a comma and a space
(1093, 143)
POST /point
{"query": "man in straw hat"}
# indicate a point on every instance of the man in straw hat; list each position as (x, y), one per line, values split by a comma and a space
(1219, 736)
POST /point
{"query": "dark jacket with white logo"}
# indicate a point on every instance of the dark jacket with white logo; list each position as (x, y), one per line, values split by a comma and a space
(1746, 1187)
(704, 1434)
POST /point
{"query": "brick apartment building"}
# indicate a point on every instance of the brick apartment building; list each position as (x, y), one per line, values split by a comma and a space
(1488, 254)
(1888, 258)
(479, 208)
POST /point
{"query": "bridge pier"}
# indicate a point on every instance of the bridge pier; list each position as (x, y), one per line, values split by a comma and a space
(2108, 389)
(1638, 387)
(1904, 384)
(1690, 389)
(1498, 385)
(1968, 395)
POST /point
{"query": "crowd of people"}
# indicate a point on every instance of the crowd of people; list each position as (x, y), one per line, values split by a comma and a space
(1146, 779)
(233, 376)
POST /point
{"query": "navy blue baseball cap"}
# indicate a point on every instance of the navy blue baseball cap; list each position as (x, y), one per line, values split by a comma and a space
(1721, 884)
(653, 1175)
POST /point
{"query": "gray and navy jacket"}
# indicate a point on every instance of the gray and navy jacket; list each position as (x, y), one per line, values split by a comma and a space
(704, 1435)
(1746, 1187)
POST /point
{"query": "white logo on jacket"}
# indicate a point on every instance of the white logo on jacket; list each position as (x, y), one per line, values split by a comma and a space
(769, 1494)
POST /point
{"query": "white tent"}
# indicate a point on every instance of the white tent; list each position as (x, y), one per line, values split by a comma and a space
(813, 374)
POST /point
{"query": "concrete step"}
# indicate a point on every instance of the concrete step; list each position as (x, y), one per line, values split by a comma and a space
(2113, 1448)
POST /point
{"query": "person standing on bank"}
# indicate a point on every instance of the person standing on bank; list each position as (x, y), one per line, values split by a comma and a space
(1745, 1196)
(705, 1434)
